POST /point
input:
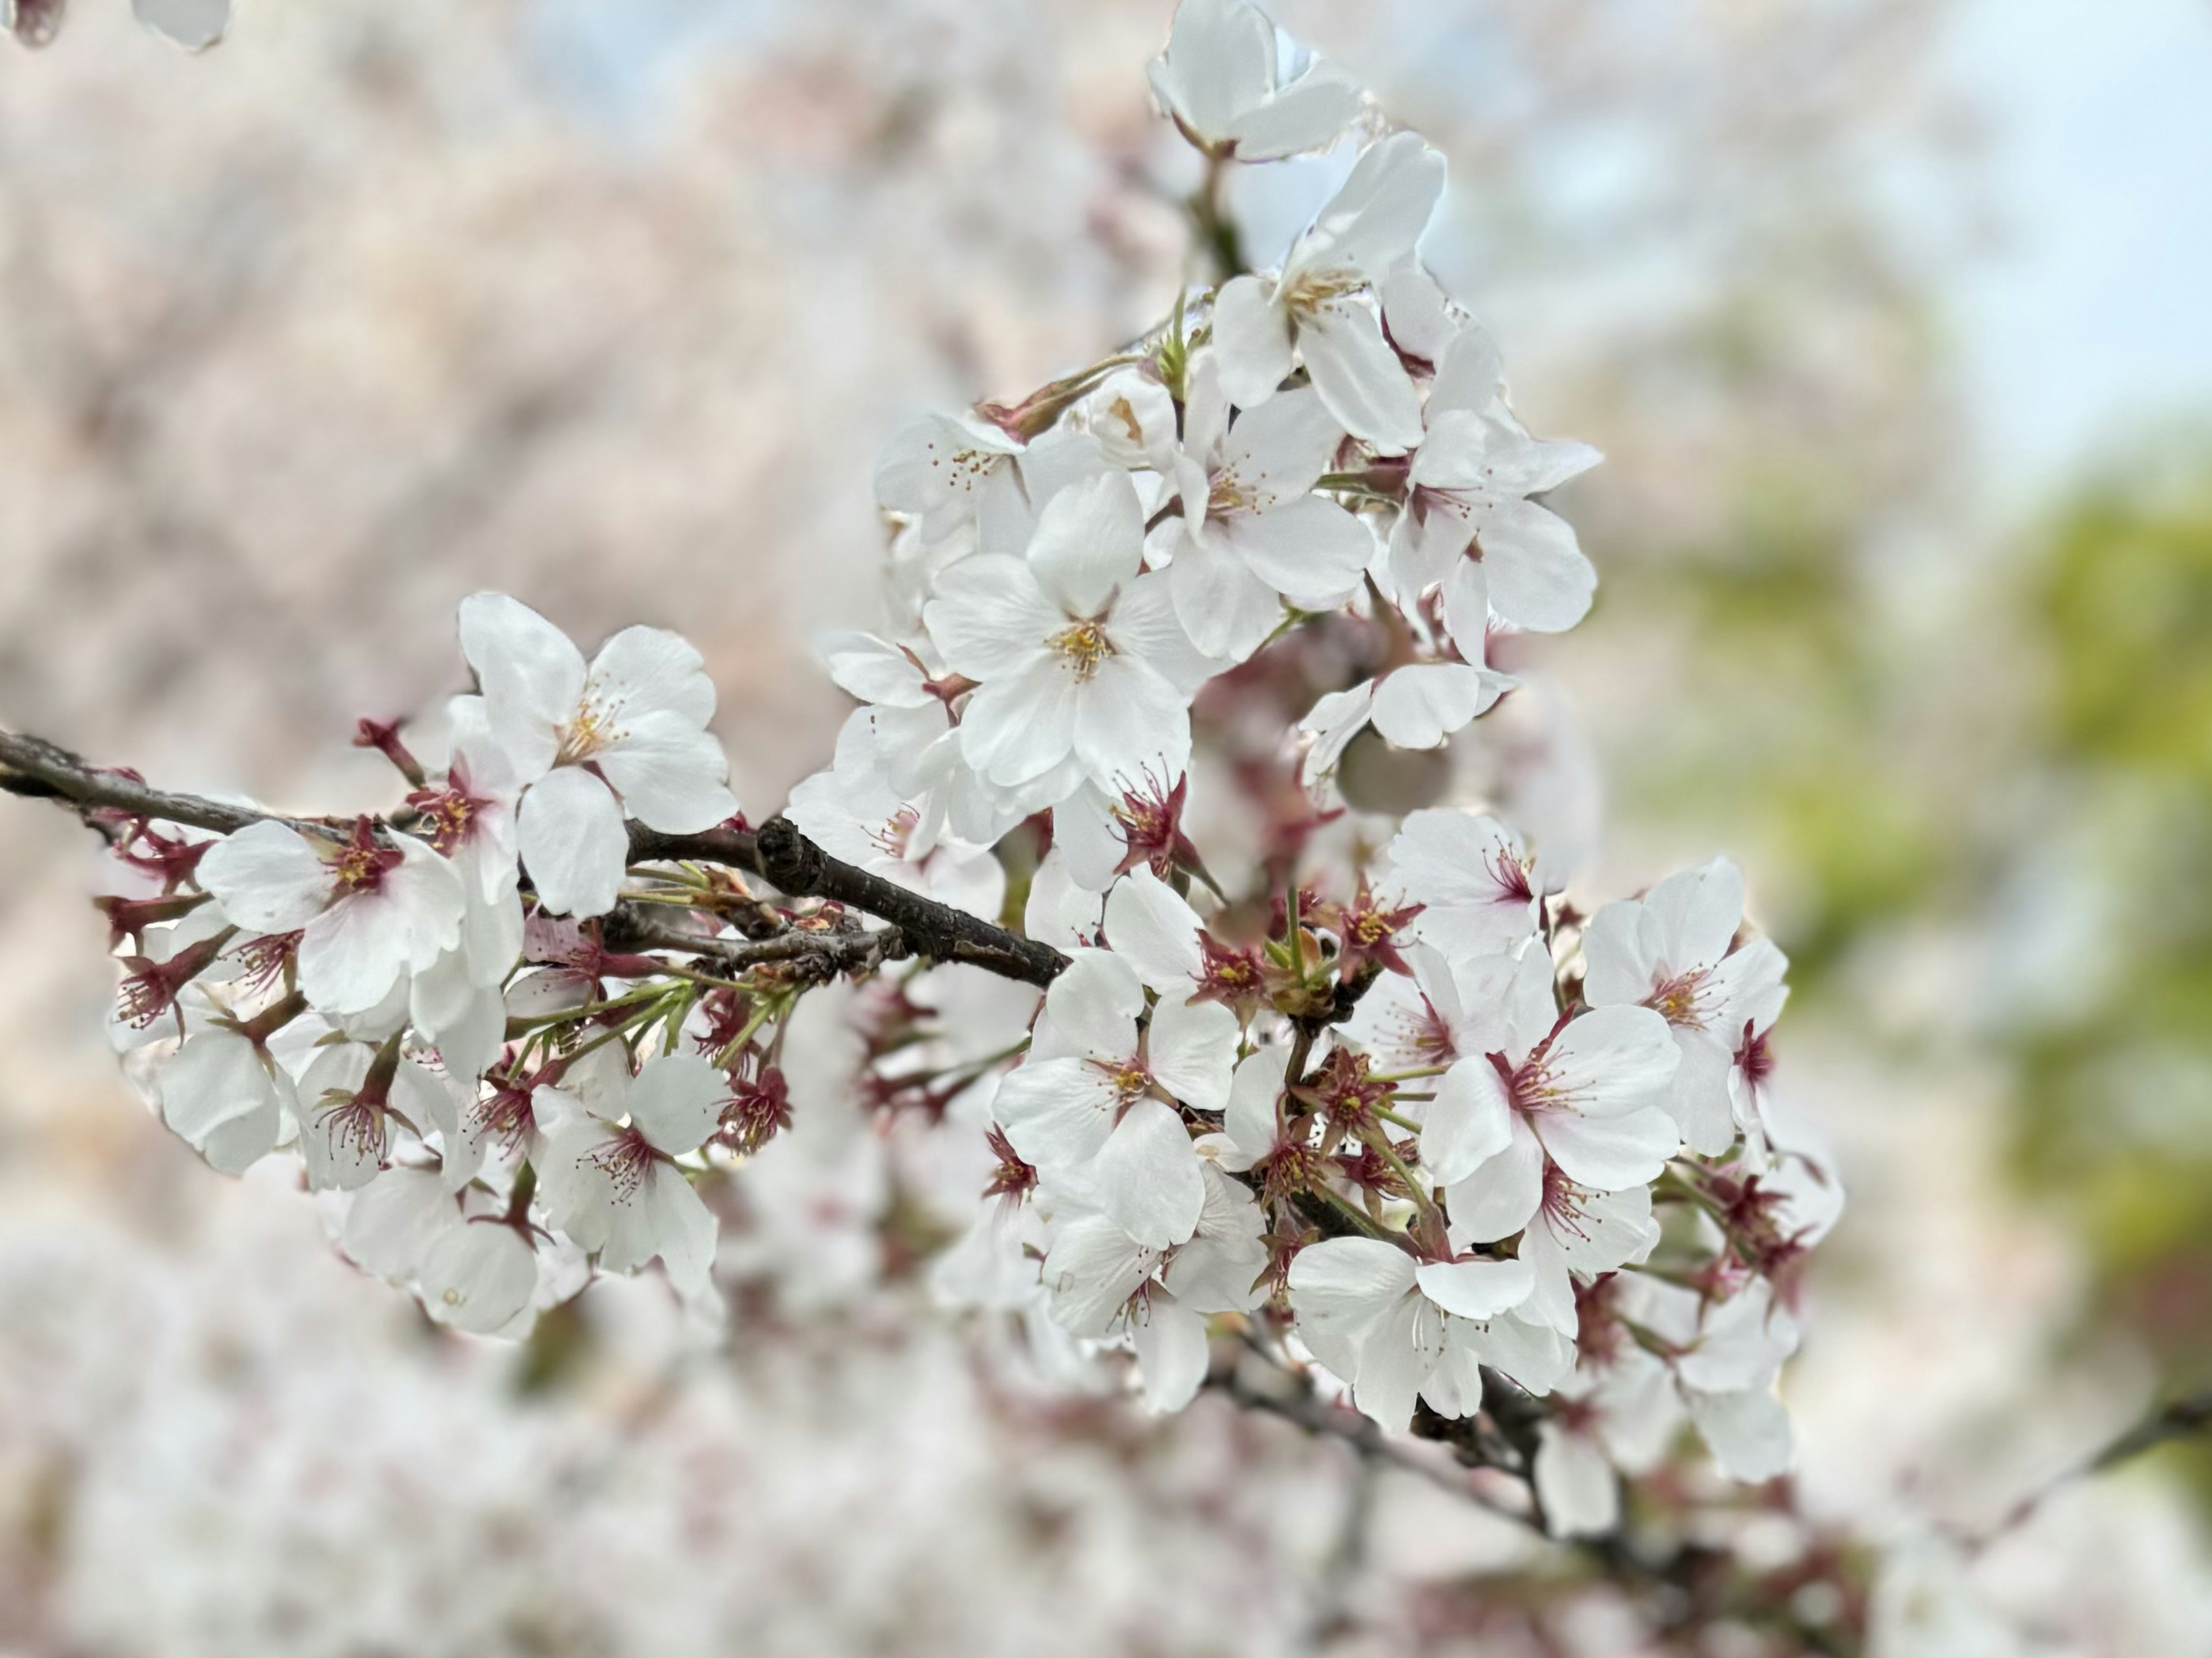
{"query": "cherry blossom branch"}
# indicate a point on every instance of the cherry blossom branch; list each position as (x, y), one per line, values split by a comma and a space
(36, 769)
(2176, 1418)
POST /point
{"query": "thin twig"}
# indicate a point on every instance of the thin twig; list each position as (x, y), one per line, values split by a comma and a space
(777, 852)
(2177, 1419)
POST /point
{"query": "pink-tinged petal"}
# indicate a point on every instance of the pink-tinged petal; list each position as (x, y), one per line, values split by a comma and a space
(1192, 1051)
(1422, 704)
(1479, 1290)
(1129, 719)
(677, 1101)
(1226, 610)
(1499, 1198)
(1574, 1484)
(670, 773)
(1469, 1122)
(267, 877)
(1310, 551)
(1147, 1179)
(1150, 923)
(531, 673)
(1359, 376)
(1018, 728)
(1539, 579)
(1089, 540)
(644, 670)
(1608, 1154)
(990, 617)
(573, 842)
(1251, 340)
(1171, 1352)
(478, 1279)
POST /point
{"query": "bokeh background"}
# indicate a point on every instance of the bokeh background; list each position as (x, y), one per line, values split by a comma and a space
(1891, 316)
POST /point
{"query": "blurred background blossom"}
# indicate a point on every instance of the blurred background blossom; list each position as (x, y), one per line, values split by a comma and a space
(1888, 314)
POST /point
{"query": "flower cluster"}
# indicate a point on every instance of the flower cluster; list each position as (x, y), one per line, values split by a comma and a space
(1376, 1095)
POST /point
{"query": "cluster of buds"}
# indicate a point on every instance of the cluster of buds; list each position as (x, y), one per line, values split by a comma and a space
(1439, 1142)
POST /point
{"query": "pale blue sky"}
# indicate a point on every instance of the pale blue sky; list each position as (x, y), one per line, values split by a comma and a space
(2089, 325)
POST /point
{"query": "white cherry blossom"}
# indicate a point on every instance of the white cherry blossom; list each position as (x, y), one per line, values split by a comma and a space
(609, 1178)
(1082, 668)
(1321, 311)
(224, 1096)
(1481, 890)
(369, 909)
(1089, 1106)
(1399, 1329)
(1219, 80)
(625, 734)
(1253, 533)
(1674, 950)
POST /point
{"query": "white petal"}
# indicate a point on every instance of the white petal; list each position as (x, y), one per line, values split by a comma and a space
(1220, 63)
(1539, 579)
(1089, 540)
(990, 617)
(1017, 728)
(1476, 1290)
(395, 1220)
(1251, 341)
(1468, 375)
(1306, 115)
(1129, 719)
(1610, 1061)
(677, 1101)
(1379, 212)
(1151, 925)
(670, 773)
(1171, 1352)
(216, 1090)
(195, 25)
(1276, 452)
(1250, 1117)
(1747, 1432)
(1310, 551)
(1620, 964)
(1359, 375)
(1057, 1113)
(1574, 1484)
(478, 1278)
(1699, 1101)
(645, 671)
(572, 841)
(1421, 705)
(1695, 914)
(1469, 1122)
(1347, 1284)
(1192, 1051)
(1146, 1177)
(1094, 1006)
(531, 673)
(267, 877)
(1607, 1154)
(1227, 610)
(1091, 1270)
(1498, 1198)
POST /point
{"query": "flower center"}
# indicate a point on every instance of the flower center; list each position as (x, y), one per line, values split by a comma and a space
(1084, 645)
(1228, 494)
(588, 736)
(1676, 1000)
(354, 1124)
(895, 831)
(624, 1161)
(1563, 1203)
(1309, 290)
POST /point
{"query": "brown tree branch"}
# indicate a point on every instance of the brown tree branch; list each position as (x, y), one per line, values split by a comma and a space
(776, 852)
